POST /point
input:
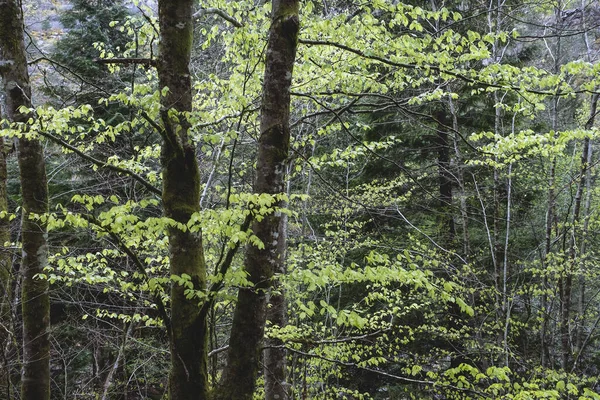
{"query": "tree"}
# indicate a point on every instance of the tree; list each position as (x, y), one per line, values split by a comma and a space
(188, 378)
(6, 281)
(35, 304)
(88, 32)
(418, 160)
(245, 343)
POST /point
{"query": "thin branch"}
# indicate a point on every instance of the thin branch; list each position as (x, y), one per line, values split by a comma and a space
(383, 373)
(153, 124)
(432, 240)
(393, 102)
(224, 267)
(69, 70)
(216, 11)
(217, 351)
(335, 341)
(436, 68)
(138, 178)
(138, 263)
(115, 366)
(149, 62)
(226, 117)
(149, 20)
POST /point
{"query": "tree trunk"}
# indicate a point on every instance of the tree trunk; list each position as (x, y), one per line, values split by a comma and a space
(275, 355)
(445, 180)
(239, 378)
(188, 377)
(581, 187)
(585, 180)
(6, 326)
(459, 167)
(35, 383)
(545, 309)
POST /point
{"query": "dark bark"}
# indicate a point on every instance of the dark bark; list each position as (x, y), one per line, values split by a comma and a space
(35, 302)
(275, 355)
(35, 382)
(181, 198)
(239, 377)
(6, 326)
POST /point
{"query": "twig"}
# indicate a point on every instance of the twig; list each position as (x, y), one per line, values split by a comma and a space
(149, 62)
(383, 373)
(203, 11)
(138, 263)
(100, 163)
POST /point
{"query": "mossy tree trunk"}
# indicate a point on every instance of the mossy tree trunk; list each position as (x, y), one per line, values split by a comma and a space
(35, 380)
(181, 198)
(245, 343)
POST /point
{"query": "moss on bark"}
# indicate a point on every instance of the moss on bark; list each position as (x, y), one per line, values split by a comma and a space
(35, 304)
(188, 378)
(245, 343)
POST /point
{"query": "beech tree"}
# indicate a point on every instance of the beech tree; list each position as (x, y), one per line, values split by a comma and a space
(35, 305)
(246, 338)
(6, 281)
(438, 177)
(188, 332)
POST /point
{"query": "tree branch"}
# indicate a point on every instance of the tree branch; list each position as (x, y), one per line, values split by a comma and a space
(436, 68)
(217, 351)
(138, 263)
(102, 164)
(224, 267)
(216, 11)
(69, 70)
(335, 341)
(149, 62)
(383, 373)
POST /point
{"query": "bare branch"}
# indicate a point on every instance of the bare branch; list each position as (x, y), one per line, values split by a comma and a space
(149, 62)
(217, 351)
(216, 11)
(138, 178)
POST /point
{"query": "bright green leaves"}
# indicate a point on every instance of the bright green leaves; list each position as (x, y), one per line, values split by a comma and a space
(144, 318)
(88, 201)
(504, 149)
(501, 382)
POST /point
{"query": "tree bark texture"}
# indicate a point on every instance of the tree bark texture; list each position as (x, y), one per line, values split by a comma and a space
(239, 377)
(35, 379)
(275, 355)
(6, 326)
(181, 198)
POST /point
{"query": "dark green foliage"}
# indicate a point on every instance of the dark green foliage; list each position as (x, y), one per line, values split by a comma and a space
(91, 25)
